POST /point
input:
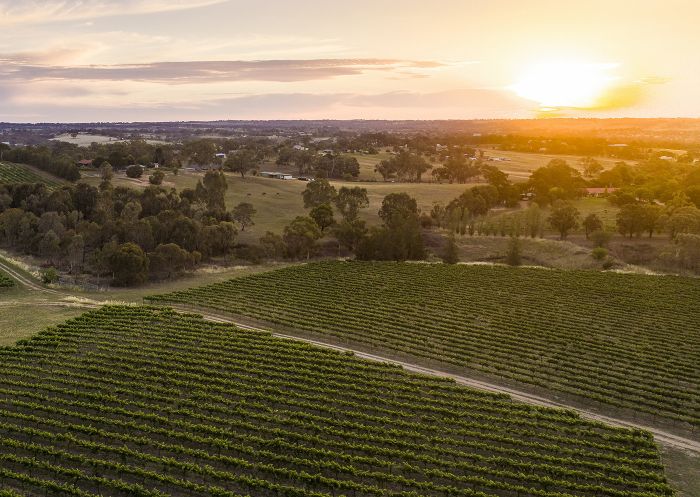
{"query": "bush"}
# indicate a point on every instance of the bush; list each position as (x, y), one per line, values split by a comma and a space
(49, 276)
(134, 171)
(599, 253)
(156, 178)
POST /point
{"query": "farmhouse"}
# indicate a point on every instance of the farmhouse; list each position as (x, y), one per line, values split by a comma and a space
(599, 192)
(85, 162)
(276, 175)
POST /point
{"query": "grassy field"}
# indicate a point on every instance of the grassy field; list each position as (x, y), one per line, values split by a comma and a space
(140, 401)
(619, 340)
(22, 173)
(278, 202)
(520, 165)
(85, 139)
(367, 164)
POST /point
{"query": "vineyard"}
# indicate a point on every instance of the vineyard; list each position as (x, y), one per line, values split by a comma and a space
(16, 173)
(6, 281)
(626, 341)
(139, 401)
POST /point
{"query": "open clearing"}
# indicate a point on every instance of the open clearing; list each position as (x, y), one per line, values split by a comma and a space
(135, 400)
(278, 202)
(623, 341)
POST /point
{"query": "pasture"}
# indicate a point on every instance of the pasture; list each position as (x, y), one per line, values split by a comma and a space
(622, 341)
(143, 401)
(278, 201)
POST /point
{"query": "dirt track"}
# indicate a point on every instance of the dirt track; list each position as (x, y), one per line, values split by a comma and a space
(660, 436)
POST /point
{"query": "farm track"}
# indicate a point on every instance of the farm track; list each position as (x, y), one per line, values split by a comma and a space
(25, 281)
(661, 436)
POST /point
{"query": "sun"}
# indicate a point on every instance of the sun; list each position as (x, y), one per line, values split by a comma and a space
(565, 84)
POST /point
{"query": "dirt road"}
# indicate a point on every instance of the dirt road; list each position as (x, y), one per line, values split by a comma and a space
(660, 436)
(23, 280)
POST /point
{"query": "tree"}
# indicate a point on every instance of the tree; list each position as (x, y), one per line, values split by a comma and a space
(272, 245)
(451, 253)
(300, 237)
(405, 165)
(318, 192)
(134, 171)
(156, 178)
(400, 238)
(200, 152)
(212, 190)
(631, 220)
(323, 215)
(168, 260)
(76, 253)
(128, 265)
(242, 161)
(651, 215)
(243, 214)
(50, 246)
(563, 218)
(397, 208)
(689, 251)
(349, 201)
(438, 214)
(3, 148)
(555, 181)
(591, 167)
(349, 233)
(592, 223)
(106, 173)
(513, 253)
(683, 220)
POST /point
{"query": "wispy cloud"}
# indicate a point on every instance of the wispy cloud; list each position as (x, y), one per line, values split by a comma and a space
(22, 67)
(14, 12)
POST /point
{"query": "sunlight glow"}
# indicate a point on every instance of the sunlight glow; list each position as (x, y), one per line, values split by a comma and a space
(565, 84)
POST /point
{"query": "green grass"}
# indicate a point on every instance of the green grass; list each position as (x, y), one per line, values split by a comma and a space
(21, 173)
(23, 319)
(278, 202)
(367, 164)
(141, 401)
(623, 341)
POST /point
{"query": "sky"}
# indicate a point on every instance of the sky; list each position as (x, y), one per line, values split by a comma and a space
(155, 60)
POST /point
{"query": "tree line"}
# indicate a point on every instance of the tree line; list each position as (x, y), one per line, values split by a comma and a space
(127, 235)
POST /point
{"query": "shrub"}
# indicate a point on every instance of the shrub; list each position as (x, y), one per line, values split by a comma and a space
(134, 171)
(599, 253)
(156, 178)
(49, 276)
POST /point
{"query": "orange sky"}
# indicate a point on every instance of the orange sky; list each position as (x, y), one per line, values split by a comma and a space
(103, 60)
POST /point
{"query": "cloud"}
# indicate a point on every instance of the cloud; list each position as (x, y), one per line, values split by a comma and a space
(57, 104)
(13, 12)
(22, 67)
